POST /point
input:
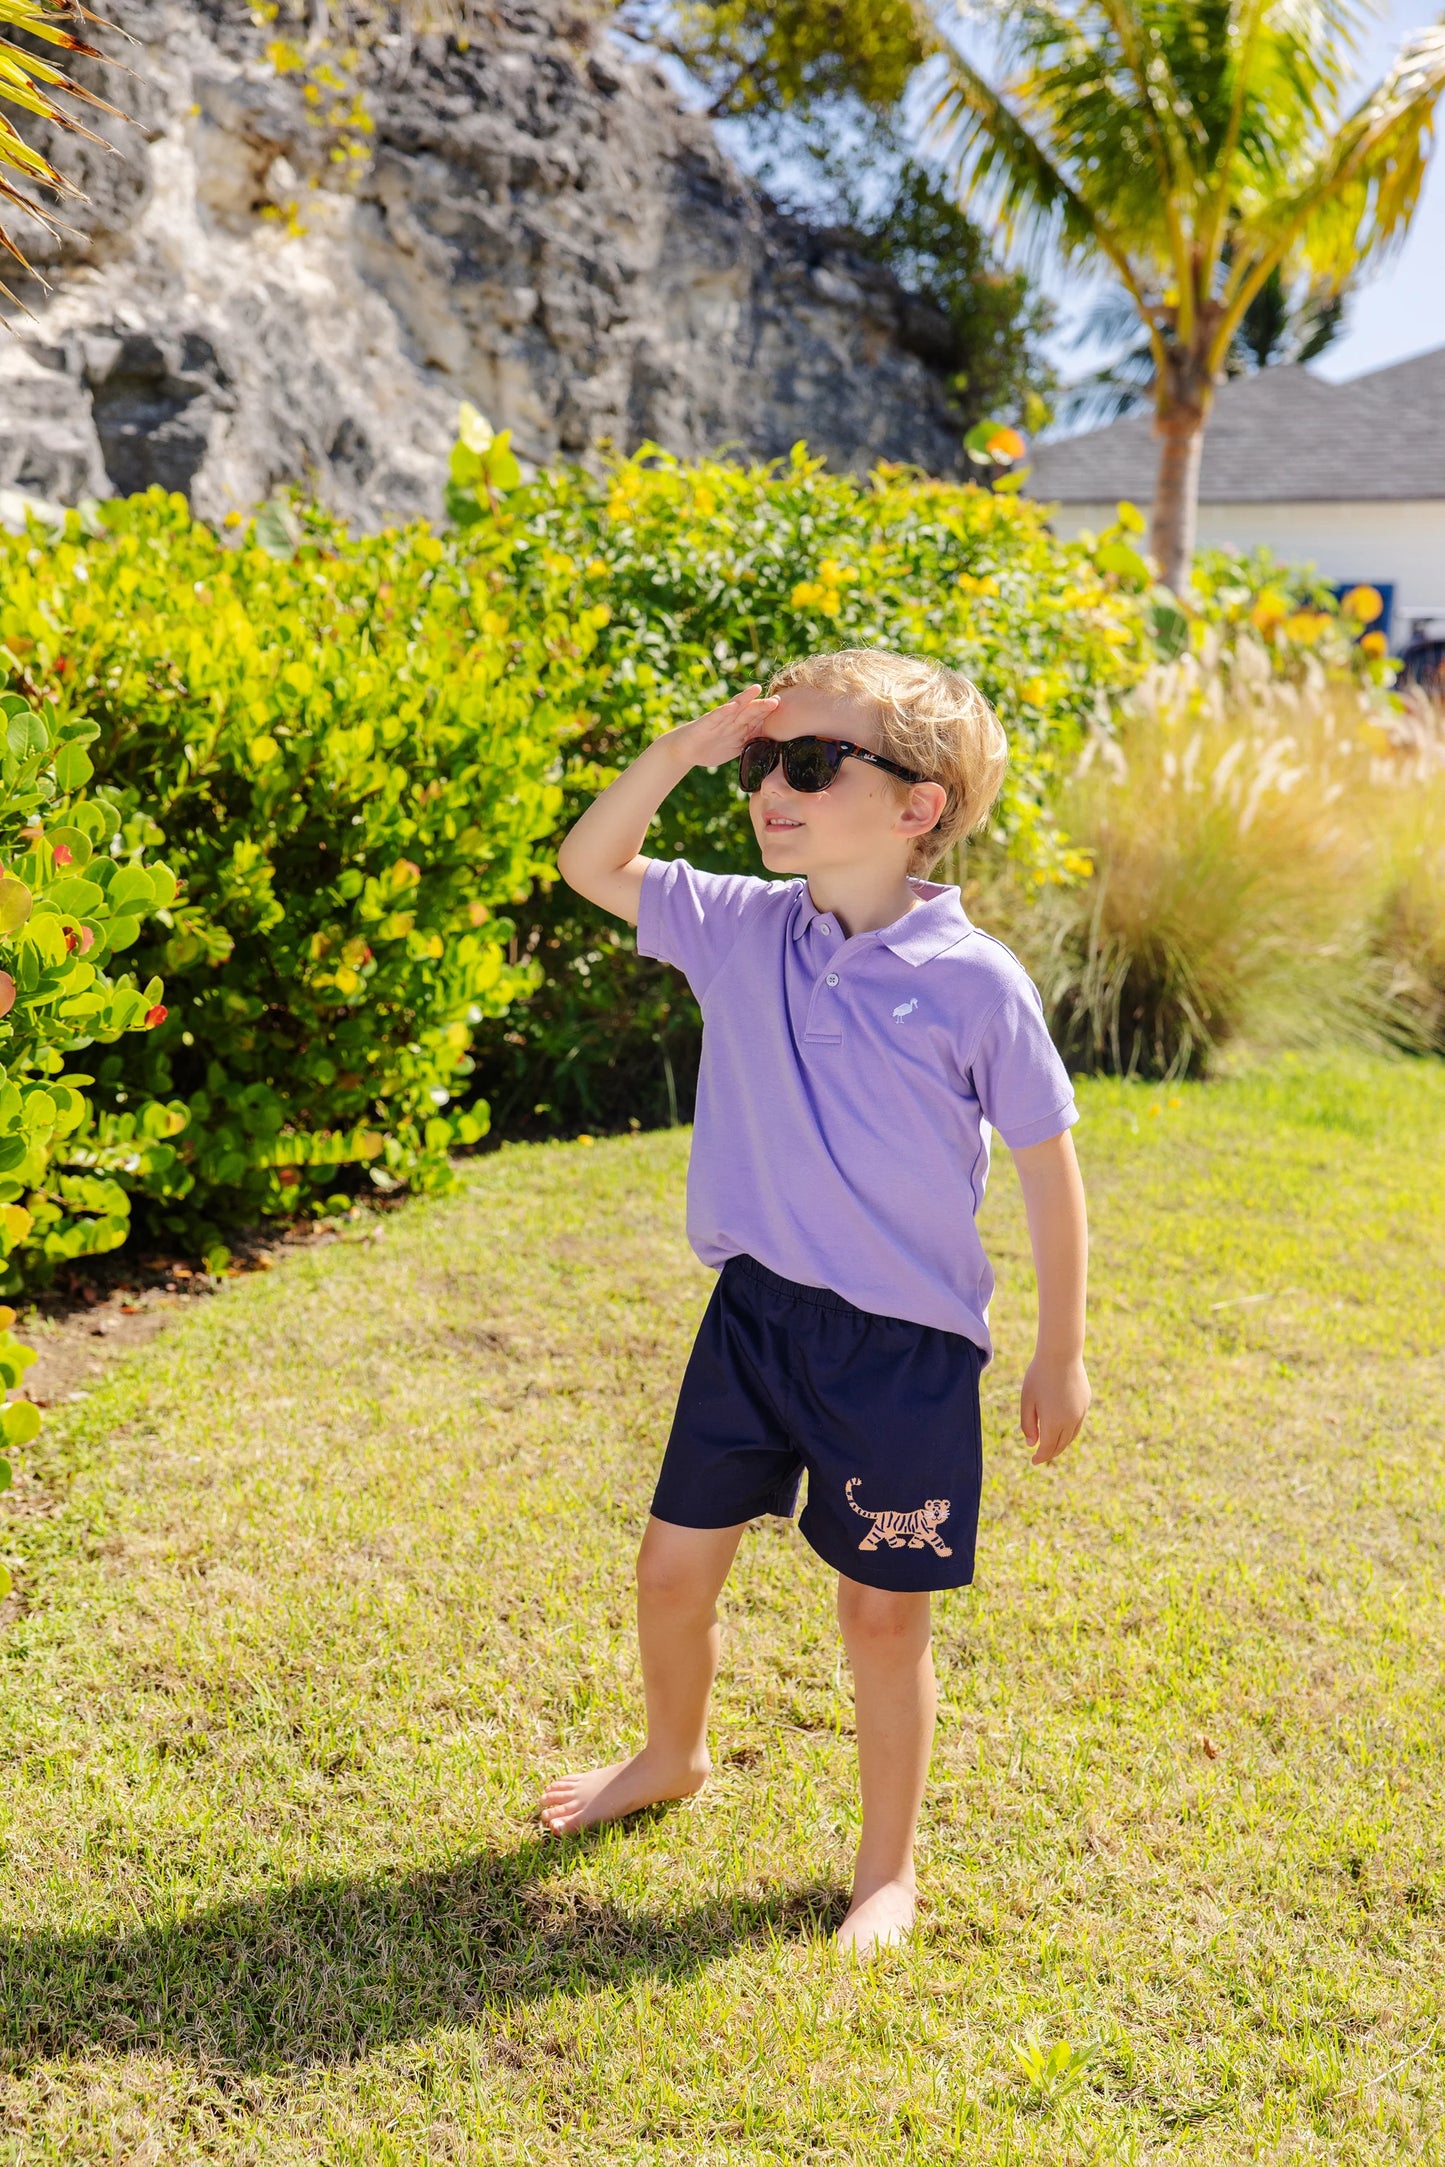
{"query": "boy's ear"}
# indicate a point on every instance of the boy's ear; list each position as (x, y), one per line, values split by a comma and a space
(924, 809)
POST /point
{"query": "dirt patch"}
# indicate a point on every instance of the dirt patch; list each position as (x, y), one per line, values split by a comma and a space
(120, 1301)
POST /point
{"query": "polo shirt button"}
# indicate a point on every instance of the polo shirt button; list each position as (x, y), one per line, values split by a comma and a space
(832, 978)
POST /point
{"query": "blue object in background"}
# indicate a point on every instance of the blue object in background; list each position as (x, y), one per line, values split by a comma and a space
(1340, 588)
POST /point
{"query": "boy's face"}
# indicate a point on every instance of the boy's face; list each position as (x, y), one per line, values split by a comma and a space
(864, 817)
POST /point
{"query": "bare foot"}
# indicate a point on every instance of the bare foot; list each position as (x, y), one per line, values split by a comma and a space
(606, 1794)
(879, 1920)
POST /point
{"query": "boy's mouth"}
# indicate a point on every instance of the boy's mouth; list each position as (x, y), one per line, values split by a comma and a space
(779, 820)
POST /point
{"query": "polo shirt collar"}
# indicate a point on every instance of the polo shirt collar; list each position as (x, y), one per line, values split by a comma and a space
(938, 922)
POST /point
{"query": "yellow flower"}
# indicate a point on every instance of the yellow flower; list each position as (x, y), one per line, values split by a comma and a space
(16, 1221)
(1375, 643)
(1270, 609)
(704, 503)
(1305, 626)
(1034, 690)
(1363, 603)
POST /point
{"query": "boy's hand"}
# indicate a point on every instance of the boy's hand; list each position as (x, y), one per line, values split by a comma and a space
(602, 856)
(718, 737)
(1052, 1405)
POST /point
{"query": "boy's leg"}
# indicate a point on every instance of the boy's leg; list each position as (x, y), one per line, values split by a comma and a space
(888, 1637)
(680, 1573)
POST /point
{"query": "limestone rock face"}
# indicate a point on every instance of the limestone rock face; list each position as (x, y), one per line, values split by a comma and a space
(265, 288)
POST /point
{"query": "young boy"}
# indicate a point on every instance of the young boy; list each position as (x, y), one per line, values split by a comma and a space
(858, 1034)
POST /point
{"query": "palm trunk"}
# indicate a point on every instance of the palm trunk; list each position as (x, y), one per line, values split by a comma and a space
(1185, 394)
(1176, 495)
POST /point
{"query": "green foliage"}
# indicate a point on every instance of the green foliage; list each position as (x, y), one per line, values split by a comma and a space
(74, 896)
(1051, 2073)
(787, 53)
(482, 469)
(712, 574)
(348, 749)
(903, 212)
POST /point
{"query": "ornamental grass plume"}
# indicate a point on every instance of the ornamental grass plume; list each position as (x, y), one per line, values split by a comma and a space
(1241, 885)
(1409, 857)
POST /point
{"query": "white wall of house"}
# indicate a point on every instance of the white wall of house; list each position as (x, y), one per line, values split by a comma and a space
(1389, 544)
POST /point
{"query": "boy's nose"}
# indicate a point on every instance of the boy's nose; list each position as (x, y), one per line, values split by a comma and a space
(776, 784)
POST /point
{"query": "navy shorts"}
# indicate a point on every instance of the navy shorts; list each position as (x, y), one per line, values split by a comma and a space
(883, 1416)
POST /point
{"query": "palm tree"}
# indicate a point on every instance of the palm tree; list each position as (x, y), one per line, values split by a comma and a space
(27, 80)
(1278, 327)
(1194, 148)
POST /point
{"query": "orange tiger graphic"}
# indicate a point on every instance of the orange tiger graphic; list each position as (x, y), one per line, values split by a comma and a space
(897, 1528)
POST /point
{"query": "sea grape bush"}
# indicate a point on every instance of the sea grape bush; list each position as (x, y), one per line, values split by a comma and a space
(350, 748)
(74, 894)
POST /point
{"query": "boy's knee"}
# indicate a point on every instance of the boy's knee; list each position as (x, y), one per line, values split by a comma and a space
(882, 1619)
(666, 1583)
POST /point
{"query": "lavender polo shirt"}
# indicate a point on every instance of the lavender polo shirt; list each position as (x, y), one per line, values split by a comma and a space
(848, 1087)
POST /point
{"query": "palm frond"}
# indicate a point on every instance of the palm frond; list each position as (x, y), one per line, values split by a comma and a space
(27, 80)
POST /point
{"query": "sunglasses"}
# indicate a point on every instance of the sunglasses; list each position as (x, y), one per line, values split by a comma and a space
(810, 764)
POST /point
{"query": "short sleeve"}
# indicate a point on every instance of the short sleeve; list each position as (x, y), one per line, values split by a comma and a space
(1022, 1086)
(693, 919)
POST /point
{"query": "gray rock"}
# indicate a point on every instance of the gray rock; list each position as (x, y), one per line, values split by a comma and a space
(536, 225)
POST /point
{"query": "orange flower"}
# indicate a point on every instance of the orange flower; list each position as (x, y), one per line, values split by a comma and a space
(1364, 603)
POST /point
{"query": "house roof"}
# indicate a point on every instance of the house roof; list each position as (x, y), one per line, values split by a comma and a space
(1283, 436)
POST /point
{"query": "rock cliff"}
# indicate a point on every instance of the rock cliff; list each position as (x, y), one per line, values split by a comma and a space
(292, 268)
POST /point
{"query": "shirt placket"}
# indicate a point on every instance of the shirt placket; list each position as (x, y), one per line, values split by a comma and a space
(825, 1007)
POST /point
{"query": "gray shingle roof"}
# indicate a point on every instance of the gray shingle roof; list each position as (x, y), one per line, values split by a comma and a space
(1281, 437)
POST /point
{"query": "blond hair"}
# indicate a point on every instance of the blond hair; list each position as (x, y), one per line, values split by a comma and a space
(929, 718)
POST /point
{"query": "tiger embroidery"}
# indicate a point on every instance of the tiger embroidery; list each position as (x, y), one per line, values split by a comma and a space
(899, 1528)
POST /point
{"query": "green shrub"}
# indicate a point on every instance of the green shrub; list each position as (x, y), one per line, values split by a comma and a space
(73, 896)
(349, 749)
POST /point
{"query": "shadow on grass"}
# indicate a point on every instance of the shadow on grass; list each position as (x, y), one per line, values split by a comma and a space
(322, 1971)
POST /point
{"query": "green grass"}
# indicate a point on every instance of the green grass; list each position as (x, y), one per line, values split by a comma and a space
(321, 1586)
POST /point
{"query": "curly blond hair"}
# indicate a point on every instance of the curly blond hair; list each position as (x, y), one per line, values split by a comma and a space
(929, 718)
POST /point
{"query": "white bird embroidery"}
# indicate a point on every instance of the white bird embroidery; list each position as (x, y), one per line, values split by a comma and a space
(904, 1008)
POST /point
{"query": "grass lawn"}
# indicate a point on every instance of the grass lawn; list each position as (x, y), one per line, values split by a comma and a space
(318, 1588)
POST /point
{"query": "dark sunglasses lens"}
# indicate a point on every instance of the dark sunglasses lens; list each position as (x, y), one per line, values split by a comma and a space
(807, 764)
(759, 757)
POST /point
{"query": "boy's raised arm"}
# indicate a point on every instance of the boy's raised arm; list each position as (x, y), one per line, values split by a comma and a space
(601, 856)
